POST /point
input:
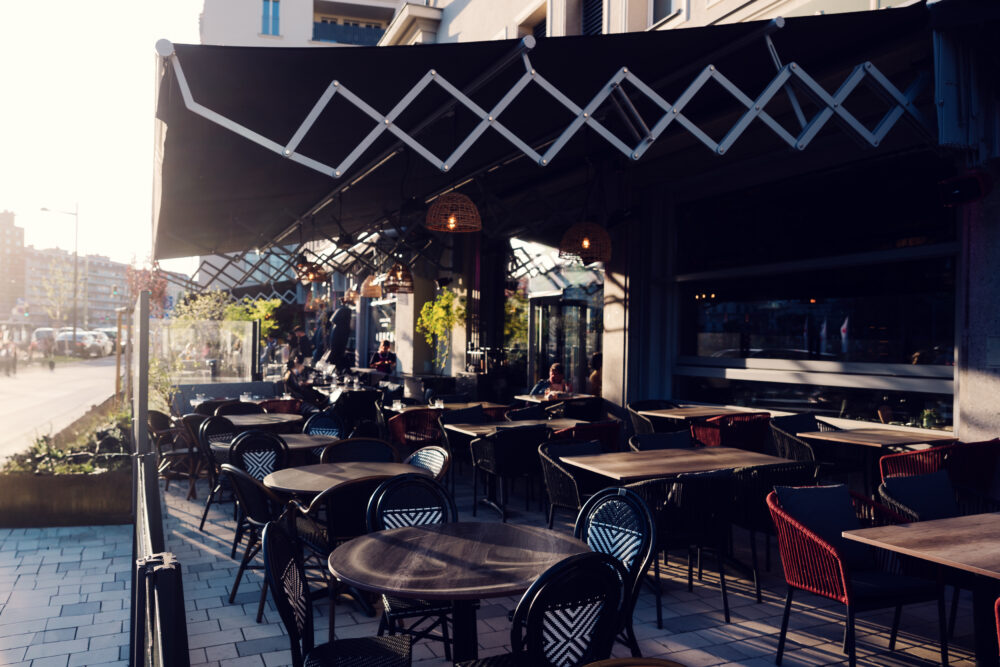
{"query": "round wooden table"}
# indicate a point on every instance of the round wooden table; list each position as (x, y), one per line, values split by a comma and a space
(313, 479)
(298, 444)
(263, 420)
(461, 562)
(635, 662)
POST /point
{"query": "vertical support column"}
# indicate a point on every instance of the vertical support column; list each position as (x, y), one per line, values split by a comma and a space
(413, 354)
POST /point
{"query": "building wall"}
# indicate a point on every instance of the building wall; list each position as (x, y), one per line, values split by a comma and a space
(11, 265)
(239, 22)
(101, 288)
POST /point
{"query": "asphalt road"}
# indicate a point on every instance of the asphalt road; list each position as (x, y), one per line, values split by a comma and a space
(39, 401)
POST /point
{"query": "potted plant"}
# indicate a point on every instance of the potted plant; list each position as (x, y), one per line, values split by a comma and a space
(437, 318)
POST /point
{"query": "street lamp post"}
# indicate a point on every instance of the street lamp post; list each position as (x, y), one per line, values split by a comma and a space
(76, 255)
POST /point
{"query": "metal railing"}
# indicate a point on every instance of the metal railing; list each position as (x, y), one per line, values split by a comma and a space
(347, 34)
(158, 621)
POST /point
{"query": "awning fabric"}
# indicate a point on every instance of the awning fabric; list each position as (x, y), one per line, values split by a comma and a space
(216, 191)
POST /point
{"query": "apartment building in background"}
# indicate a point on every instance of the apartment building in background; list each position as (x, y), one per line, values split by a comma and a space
(48, 278)
(11, 268)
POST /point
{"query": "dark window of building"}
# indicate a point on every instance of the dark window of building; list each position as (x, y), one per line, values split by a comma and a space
(593, 17)
(540, 29)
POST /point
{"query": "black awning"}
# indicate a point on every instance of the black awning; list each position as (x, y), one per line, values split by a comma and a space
(217, 191)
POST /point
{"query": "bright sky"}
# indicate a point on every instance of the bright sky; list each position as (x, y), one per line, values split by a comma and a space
(76, 117)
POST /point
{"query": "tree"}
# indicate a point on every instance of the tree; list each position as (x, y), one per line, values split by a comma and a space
(57, 285)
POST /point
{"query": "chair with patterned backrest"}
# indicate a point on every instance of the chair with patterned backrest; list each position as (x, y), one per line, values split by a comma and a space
(502, 456)
(258, 505)
(617, 522)
(209, 407)
(567, 486)
(412, 500)
(568, 617)
(212, 429)
(359, 449)
(642, 423)
(258, 453)
(747, 430)
(287, 579)
(816, 558)
(434, 459)
(360, 413)
(281, 406)
(324, 423)
(608, 433)
(412, 429)
(176, 457)
(751, 485)
(238, 408)
(531, 412)
(641, 442)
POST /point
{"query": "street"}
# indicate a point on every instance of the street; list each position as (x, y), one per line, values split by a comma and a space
(38, 401)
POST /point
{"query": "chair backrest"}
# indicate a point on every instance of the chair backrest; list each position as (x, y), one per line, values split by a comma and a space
(258, 503)
(744, 431)
(789, 446)
(590, 409)
(643, 424)
(641, 442)
(617, 522)
(509, 451)
(192, 426)
(701, 504)
(410, 500)
(324, 423)
(358, 449)
(209, 407)
(921, 497)
(238, 408)
(415, 428)
(343, 509)
(569, 616)
(286, 578)
(752, 484)
(473, 415)
(609, 433)
(259, 453)
(356, 406)
(433, 458)
(158, 421)
(284, 406)
(215, 429)
(535, 411)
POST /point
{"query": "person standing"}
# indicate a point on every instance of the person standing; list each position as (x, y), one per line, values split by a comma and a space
(319, 339)
(340, 333)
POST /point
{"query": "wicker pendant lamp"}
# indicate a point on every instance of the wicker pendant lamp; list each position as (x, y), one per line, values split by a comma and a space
(453, 212)
(371, 289)
(587, 242)
(399, 280)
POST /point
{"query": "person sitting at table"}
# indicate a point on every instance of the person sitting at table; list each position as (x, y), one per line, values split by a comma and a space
(558, 384)
(298, 386)
(384, 360)
(594, 381)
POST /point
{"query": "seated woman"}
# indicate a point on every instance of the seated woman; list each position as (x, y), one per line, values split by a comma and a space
(297, 385)
(558, 384)
(384, 360)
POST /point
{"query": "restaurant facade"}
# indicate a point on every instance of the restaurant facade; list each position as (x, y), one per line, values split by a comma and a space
(799, 211)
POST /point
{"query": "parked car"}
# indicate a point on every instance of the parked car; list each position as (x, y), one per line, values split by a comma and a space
(41, 340)
(107, 347)
(85, 344)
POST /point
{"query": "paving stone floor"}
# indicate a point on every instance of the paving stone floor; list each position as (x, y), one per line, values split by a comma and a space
(694, 632)
(64, 597)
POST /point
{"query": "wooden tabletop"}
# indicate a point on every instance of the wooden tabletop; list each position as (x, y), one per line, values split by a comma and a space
(691, 412)
(310, 480)
(970, 543)
(637, 466)
(878, 437)
(489, 428)
(295, 442)
(634, 662)
(448, 406)
(263, 420)
(454, 561)
(540, 398)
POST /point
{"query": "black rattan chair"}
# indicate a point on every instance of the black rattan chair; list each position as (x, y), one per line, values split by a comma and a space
(286, 577)
(641, 442)
(176, 457)
(211, 429)
(455, 443)
(321, 423)
(506, 454)
(412, 500)
(535, 411)
(568, 617)
(434, 459)
(257, 453)
(567, 486)
(617, 522)
(359, 449)
(643, 424)
(238, 408)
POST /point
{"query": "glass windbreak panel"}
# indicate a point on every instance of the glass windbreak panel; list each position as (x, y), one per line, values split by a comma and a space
(383, 322)
(871, 405)
(875, 206)
(900, 313)
(573, 340)
(199, 351)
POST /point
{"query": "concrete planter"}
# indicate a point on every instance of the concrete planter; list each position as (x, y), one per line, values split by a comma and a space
(36, 501)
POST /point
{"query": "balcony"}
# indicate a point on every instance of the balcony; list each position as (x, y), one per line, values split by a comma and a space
(346, 34)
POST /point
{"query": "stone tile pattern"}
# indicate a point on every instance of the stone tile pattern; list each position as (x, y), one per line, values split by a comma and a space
(64, 595)
(694, 634)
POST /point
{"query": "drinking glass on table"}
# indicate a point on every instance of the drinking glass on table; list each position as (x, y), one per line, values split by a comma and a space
(397, 405)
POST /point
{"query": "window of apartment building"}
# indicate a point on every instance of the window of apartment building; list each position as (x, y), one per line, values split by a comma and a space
(540, 29)
(593, 17)
(661, 9)
(271, 17)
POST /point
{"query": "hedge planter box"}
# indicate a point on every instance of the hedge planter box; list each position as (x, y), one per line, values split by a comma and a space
(36, 501)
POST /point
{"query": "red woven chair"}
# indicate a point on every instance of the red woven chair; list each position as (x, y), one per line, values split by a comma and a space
(496, 414)
(609, 434)
(970, 465)
(744, 431)
(996, 611)
(414, 429)
(835, 568)
(283, 406)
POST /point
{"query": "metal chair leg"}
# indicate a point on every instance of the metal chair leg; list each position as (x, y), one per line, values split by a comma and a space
(784, 626)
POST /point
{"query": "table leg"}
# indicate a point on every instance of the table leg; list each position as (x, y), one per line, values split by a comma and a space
(984, 595)
(464, 634)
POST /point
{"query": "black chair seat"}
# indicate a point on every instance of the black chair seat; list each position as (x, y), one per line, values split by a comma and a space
(506, 660)
(312, 534)
(362, 652)
(406, 606)
(875, 586)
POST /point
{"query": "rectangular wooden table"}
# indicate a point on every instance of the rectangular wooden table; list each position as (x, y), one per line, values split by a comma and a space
(488, 428)
(966, 543)
(626, 467)
(540, 398)
(878, 437)
(691, 412)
